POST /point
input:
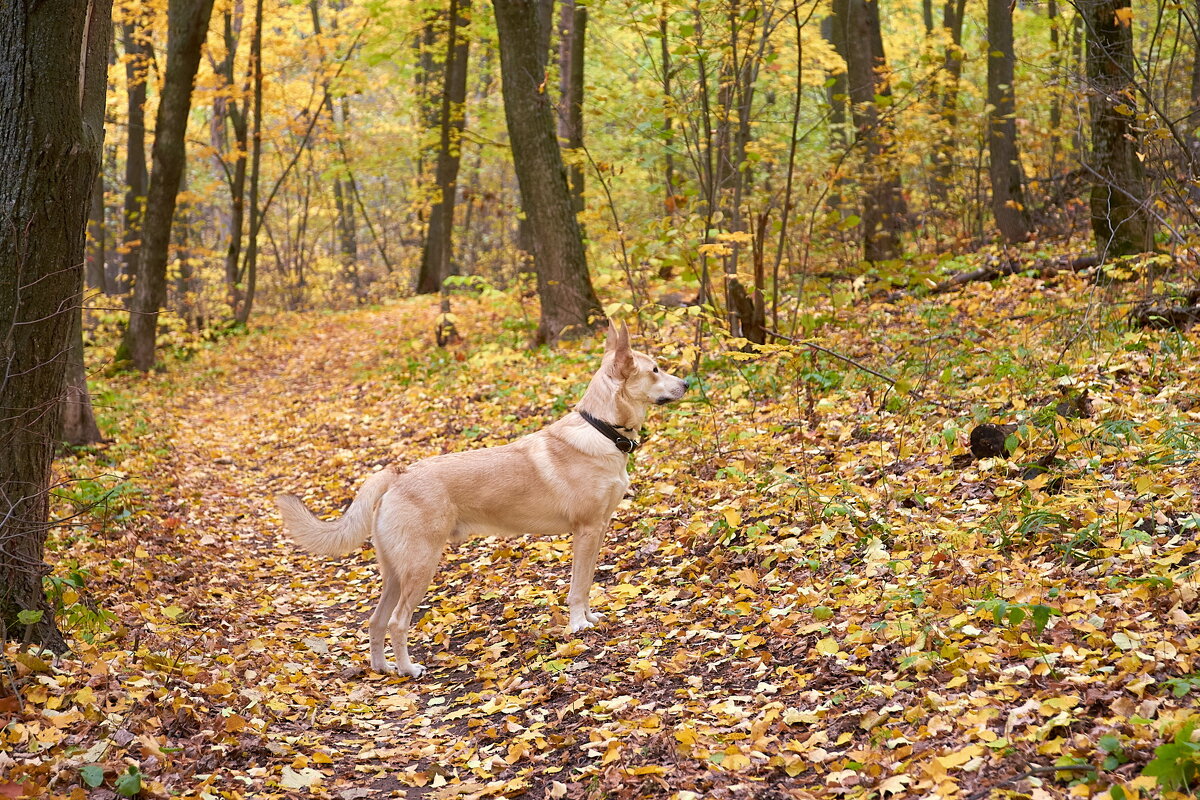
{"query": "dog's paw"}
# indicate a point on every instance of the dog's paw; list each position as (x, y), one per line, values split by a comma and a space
(594, 618)
(582, 625)
(414, 670)
(383, 667)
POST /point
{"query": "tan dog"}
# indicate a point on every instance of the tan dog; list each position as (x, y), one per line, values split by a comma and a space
(566, 478)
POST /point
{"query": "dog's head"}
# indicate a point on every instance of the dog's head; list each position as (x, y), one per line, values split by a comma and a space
(636, 373)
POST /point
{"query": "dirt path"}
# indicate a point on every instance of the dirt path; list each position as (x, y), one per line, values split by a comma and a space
(502, 694)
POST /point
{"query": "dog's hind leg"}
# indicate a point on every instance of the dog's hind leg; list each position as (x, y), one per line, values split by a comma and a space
(420, 562)
(383, 612)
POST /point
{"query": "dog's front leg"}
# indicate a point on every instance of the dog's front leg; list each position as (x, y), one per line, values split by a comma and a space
(585, 548)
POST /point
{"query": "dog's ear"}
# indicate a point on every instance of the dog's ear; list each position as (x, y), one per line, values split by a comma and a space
(618, 344)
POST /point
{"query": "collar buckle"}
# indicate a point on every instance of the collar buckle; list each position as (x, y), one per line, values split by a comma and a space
(622, 443)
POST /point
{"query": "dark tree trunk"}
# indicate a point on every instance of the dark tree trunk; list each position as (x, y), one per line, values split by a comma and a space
(836, 92)
(866, 71)
(249, 273)
(570, 83)
(97, 251)
(139, 55)
(1120, 221)
(53, 68)
(1008, 194)
(187, 26)
(187, 285)
(229, 107)
(568, 302)
(343, 192)
(943, 159)
(670, 199)
(1056, 76)
(77, 421)
(437, 256)
(429, 75)
(1193, 126)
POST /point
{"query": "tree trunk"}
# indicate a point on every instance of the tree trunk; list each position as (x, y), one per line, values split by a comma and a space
(670, 198)
(77, 421)
(1120, 221)
(187, 285)
(343, 193)
(437, 257)
(139, 56)
(1056, 77)
(1004, 169)
(229, 107)
(943, 159)
(836, 92)
(97, 251)
(249, 273)
(53, 69)
(570, 83)
(345, 189)
(866, 71)
(1193, 136)
(187, 26)
(429, 73)
(568, 302)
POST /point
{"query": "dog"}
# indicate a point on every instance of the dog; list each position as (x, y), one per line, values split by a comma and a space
(565, 478)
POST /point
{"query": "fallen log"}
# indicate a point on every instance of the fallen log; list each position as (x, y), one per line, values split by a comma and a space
(1167, 313)
(997, 269)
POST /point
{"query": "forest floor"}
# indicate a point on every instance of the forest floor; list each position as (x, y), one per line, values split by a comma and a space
(813, 589)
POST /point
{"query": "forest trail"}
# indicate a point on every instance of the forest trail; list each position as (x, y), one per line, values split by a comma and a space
(812, 589)
(311, 415)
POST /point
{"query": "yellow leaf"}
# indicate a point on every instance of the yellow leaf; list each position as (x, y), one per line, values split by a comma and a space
(894, 784)
(301, 779)
(959, 757)
(649, 769)
(828, 646)
(732, 518)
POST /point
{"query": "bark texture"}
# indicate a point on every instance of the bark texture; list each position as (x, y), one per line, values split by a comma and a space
(437, 261)
(944, 155)
(568, 302)
(573, 37)
(137, 67)
(187, 26)
(53, 66)
(236, 112)
(1121, 223)
(883, 207)
(1004, 169)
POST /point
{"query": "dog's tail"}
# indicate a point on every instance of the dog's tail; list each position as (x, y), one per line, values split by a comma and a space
(340, 536)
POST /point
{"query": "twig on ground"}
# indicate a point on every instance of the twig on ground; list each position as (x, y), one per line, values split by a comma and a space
(1029, 773)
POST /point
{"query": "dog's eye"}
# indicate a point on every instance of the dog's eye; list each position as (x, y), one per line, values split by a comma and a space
(656, 369)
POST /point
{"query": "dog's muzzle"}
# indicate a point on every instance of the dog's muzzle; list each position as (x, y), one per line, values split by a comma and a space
(675, 395)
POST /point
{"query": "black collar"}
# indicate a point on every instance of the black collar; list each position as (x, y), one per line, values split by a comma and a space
(623, 443)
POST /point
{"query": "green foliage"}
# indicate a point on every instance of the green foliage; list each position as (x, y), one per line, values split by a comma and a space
(129, 783)
(1014, 614)
(29, 616)
(104, 498)
(1176, 765)
(73, 609)
(92, 775)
